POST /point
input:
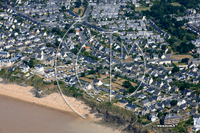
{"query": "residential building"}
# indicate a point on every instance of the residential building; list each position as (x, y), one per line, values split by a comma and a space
(170, 119)
(196, 119)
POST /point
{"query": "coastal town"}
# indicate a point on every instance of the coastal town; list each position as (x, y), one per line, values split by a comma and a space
(108, 51)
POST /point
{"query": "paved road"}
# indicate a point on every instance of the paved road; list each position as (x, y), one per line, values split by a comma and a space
(83, 40)
(87, 12)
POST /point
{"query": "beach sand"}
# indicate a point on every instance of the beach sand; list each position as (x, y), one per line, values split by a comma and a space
(54, 100)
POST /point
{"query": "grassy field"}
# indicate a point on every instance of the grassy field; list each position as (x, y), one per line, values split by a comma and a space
(118, 84)
(77, 10)
(120, 81)
(180, 57)
(86, 79)
(139, 9)
(175, 4)
(37, 82)
(177, 64)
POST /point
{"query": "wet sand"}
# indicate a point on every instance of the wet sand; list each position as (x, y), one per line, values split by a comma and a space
(21, 117)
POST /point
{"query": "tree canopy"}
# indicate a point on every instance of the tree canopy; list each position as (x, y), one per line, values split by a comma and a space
(78, 3)
(175, 69)
(185, 48)
(163, 12)
(174, 102)
(185, 60)
(128, 86)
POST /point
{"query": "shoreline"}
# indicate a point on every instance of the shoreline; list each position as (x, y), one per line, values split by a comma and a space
(25, 117)
(71, 113)
(53, 101)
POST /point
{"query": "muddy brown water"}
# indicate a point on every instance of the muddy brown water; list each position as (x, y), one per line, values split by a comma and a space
(21, 117)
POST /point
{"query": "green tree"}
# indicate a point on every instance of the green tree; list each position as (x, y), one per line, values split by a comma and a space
(78, 3)
(185, 60)
(69, 62)
(198, 66)
(63, 8)
(75, 51)
(185, 48)
(17, 30)
(127, 84)
(173, 102)
(30, 63)
(56, 30)
(190, 121)
(79, 11)
(175, 69)
(119, 39)
(160, 114)
(164, 47)
(82, 74)
(92, 71)
(86, 53)
(85, 3)
(57, 42)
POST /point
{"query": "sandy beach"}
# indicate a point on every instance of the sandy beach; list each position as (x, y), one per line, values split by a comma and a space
(54, 100)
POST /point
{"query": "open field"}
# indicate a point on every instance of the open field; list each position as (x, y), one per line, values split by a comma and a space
(180, 57)
(77, 10)
(102, 77)
(129, 59)
(86, 79)
(120, 104)
(139, 9)
(116, 86)
(120, 81)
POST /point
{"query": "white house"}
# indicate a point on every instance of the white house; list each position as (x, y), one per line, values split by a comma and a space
(155, 57)
(6, 63)
(180, 102)
(89, 87)
(5, 54)
(150, 80)
(196, 119)
(152, 116)
(98, 82)
(40, 57)
(164, 61)
(24, 68)
(77, 31)
(39, 68)
(163, 56)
